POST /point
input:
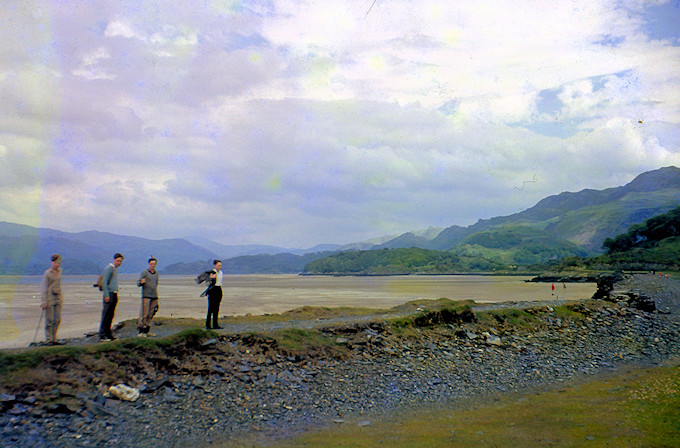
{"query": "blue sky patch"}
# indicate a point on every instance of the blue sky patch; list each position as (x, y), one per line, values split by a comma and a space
(663, 22)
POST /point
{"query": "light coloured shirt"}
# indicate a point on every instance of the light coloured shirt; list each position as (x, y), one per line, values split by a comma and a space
(110, 280)
(51, 286)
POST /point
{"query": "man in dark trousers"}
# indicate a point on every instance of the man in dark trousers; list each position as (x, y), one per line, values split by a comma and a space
(110, 297)
(214, 296)
(148, 280)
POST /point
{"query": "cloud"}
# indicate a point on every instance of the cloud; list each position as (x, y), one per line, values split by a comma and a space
(295, 124)
(117, 28)
(89, 66)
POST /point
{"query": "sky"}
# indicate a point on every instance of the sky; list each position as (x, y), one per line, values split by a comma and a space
(297, 123)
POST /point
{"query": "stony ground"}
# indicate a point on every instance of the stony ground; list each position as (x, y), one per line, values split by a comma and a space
(242, 386)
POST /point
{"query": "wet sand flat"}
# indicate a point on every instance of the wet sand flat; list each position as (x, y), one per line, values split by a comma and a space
(255, 294)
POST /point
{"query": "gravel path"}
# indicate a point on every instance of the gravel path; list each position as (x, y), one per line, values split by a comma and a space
(241, 387)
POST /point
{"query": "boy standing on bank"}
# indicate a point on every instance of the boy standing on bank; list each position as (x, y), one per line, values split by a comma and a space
(110, 298)
(148, 280)
(51, 300)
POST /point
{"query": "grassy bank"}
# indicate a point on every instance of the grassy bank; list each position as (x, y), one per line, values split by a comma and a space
(638, 408)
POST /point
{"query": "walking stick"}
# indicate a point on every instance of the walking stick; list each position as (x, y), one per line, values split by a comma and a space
(38, 327)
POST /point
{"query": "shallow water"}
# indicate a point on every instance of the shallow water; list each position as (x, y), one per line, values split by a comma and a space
(255, 294)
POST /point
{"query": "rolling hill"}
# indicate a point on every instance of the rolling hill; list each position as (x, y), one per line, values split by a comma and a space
(566, 224)
(26, 250)
(587, 217)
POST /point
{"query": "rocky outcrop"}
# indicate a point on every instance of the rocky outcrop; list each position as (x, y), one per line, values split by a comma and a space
(605, 284)
(566, 278)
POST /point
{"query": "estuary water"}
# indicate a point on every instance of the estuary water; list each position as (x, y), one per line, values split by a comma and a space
(255, 294)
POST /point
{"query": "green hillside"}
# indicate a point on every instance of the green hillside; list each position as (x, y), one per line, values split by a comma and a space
(399, 261)
(651, 245)
(518, 245)
(284, 263)
(584, 218)
(590, 226)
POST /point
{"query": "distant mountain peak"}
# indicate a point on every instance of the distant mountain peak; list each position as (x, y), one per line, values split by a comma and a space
(667, 177)
(588, 216)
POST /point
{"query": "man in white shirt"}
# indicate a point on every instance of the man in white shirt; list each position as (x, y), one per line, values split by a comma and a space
(214, 296)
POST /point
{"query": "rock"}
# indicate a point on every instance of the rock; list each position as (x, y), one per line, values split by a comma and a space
(124, 392)
(155, 385)
(466, 334)
(605, 284)
(491, 339)
(208, 344)
(18, 409)
(62, 408)
(169, 395)
(99, 409)
(270, 378)
(642, 303)
(287, 376)
(7, 401)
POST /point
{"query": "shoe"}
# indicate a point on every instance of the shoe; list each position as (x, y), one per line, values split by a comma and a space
(208, 328)
(150, 334)
(105, 339)
(218, 328)
(141, 335)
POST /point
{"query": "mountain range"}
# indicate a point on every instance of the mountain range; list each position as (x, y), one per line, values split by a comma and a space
(561, 225)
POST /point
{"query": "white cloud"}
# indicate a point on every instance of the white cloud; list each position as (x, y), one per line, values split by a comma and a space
(117, 28)
(90, 67)
(297, 123)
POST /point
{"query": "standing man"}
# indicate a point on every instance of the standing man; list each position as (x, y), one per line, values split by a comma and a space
(214, 296)
(148, 280)
(51, 300)
(110, 297)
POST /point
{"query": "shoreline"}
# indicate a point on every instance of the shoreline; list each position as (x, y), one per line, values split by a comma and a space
(248, 294)
(244, 387)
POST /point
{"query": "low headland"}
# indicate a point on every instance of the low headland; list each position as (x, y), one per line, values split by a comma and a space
(264, 379)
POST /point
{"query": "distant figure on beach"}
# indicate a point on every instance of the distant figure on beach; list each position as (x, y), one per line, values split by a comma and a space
(110, 297)
(553, 289)
(51, 300)
(148, 280)
(214, 293)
